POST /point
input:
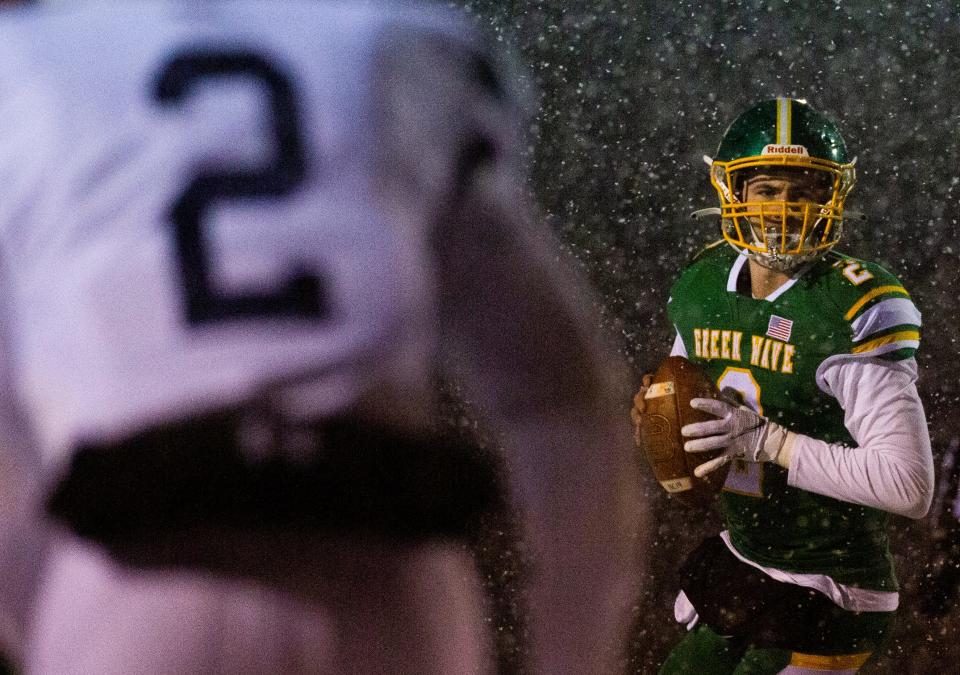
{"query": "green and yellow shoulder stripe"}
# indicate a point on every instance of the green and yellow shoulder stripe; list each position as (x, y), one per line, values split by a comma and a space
(883, 319)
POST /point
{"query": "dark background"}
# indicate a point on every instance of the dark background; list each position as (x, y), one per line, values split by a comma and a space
(629, 96)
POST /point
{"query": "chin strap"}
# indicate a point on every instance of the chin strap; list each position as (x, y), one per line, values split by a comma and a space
(703, 213)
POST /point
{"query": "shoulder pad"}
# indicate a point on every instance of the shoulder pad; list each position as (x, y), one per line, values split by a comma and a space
(704, 276)
(883, 319)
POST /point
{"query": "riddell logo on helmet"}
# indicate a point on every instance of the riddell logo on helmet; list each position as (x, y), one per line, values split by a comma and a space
(785, 150)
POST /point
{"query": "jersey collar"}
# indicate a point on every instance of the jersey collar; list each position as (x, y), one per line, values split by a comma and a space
(737, 267)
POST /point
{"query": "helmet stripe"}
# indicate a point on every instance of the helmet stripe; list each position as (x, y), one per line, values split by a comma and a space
(784, 121)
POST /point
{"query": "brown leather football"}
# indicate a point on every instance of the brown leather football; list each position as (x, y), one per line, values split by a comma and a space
(667, 410)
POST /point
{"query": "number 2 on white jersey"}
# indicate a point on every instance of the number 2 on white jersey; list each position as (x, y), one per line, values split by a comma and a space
(300, 295)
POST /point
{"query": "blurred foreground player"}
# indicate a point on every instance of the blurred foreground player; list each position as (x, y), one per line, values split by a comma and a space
(22, 533)
(829, 437)
(241, 237)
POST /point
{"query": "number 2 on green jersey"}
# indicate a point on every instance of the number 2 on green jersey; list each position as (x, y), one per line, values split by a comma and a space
(744, 478)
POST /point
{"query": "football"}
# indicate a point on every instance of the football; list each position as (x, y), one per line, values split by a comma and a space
(666, 410)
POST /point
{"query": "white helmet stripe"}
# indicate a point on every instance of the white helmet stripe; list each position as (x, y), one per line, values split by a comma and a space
(784, 123)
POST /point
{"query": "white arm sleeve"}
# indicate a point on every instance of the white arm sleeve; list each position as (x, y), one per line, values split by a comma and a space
(892, 466)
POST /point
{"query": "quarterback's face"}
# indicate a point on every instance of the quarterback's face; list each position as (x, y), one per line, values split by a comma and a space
(784, 206)
(788, 186)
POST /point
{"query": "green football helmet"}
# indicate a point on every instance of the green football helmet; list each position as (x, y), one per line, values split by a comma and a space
(786, 140)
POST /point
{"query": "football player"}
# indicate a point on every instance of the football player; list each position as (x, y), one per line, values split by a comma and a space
(824, 434)
(240, 237)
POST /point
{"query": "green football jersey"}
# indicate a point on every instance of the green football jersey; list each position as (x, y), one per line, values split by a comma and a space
(769, 351)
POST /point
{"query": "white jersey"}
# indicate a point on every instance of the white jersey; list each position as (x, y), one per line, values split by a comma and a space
(203, 200)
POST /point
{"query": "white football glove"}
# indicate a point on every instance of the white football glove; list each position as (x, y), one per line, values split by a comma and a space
(745, 434)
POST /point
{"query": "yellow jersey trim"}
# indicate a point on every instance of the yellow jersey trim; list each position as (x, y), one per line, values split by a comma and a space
(818, 662)
(887, 339)
(870, 296)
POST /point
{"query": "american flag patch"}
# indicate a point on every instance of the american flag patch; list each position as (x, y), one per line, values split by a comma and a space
(779, 328)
